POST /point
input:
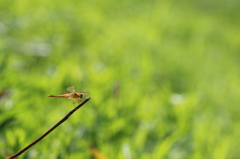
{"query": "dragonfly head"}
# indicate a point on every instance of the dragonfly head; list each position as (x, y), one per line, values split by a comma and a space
(80, 95)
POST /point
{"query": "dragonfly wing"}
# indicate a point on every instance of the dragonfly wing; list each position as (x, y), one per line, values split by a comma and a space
(83, 92)
(71, 89)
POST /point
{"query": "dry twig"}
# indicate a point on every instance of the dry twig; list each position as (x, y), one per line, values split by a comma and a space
(51, 129)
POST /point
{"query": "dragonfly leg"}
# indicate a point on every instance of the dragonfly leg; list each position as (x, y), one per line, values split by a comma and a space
(73, 103)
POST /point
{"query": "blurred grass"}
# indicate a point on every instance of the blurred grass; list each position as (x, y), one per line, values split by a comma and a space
(163, 76)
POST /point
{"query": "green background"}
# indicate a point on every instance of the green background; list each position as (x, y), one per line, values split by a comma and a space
(164, 78)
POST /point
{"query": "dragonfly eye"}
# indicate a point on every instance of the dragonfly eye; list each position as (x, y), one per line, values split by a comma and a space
(81, 95)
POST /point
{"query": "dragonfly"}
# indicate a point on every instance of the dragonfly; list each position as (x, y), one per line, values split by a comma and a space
(75, 96)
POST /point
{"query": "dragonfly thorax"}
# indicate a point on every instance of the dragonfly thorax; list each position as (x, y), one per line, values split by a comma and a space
(78, 95)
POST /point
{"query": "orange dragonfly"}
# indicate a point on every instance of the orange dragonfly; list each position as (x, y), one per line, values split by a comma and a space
(76, 96)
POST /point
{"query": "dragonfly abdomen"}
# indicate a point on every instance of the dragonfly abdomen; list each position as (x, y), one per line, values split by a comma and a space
(59, 96)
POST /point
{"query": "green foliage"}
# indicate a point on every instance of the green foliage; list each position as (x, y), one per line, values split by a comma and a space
(163, 77)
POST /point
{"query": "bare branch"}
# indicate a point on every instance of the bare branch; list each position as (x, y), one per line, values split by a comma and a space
(51, 129)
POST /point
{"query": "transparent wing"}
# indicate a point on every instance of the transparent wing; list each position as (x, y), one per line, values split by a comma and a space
(83, 92)
(71, 89)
